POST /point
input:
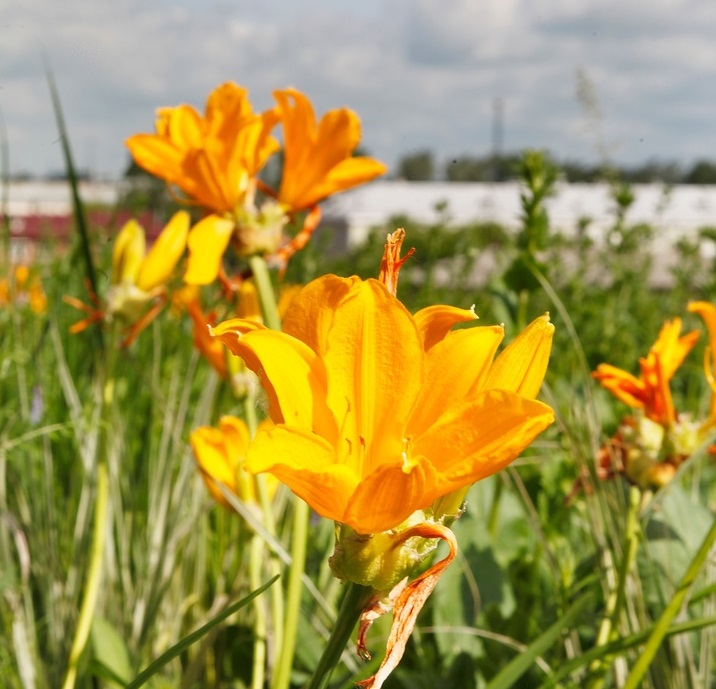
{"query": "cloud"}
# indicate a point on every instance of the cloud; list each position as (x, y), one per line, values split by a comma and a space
(421, 73)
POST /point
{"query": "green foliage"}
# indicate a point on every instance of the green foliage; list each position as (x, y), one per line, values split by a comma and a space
(541, 544)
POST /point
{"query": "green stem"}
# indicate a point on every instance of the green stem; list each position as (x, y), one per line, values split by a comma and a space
(299, 539)
(101, 510)
(354, 601)
(259, 664)
(661, 628)
(94, 577)
(617, 597)
(266, 294)
(277, 603)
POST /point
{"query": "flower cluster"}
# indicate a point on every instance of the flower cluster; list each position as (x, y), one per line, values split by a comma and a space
(215, 159)
(651, 444)
(23, 289)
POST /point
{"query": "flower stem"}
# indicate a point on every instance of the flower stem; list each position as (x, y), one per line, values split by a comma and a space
(299, 538)
(354, 601)
(101, 510)
(266, 294)
(616, 598)
(259, 663)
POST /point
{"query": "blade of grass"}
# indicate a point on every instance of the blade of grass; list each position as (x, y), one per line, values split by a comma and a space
(77, 205)
(672, 609)
(508, 676)
(623, 645)
(192, 638)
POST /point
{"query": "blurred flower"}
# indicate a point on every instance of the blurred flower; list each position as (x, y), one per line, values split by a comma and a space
(212, 158)
(651, 391)
(379, 412)
(138, 277)
(707, 311)
(220, 453)
(318, 159)
(23, 289)
(649, 446)
(215, 160)
(209, 347)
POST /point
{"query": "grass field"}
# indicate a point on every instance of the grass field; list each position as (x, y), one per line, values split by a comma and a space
(582, 564)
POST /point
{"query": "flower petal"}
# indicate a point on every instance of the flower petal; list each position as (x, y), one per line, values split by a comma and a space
(375, 369)
(128, 253)
(523, 363)
(208, 240)
(456, 369)
(305, 462)
(310, 314)
(622, 384)
(434, 322)
(390, 495)
(165, 253)
(481, 437)
(292, 376)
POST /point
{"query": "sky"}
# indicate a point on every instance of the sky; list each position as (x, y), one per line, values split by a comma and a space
(627, 80)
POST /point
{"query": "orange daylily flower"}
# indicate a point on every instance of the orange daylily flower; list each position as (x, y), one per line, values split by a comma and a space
(209, 347)
(219, 454)
(212, 158)
(651, 391)
(379, 412)
(317, 159)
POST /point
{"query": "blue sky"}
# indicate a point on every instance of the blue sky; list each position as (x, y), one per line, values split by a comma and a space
(420, 73)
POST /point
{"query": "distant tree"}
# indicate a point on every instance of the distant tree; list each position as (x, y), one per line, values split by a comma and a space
(703, 172)
(652, 171)
(417, 167)
(466, 168)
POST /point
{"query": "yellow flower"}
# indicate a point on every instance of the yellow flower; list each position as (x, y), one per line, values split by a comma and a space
(379, 412)
(317, 159)
(651, 391)
(211, 158)
(219, 454)
(137, 276)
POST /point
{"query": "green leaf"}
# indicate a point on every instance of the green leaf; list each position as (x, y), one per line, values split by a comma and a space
(110, 652)
(192, 638)
(507, 677)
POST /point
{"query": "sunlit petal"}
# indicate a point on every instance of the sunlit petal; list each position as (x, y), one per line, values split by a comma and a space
(207, 242)
(157, 267)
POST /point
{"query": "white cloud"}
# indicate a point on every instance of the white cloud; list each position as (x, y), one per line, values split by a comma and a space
(421, 73)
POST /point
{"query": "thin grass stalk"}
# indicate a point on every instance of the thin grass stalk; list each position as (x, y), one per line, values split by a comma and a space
(101, 512)
(662, 625)
(301, 511)
(616, 598)
(277, 600)
(299, 540)
(78, 206)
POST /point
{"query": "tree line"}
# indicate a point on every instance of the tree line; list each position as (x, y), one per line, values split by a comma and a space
(421, 166)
